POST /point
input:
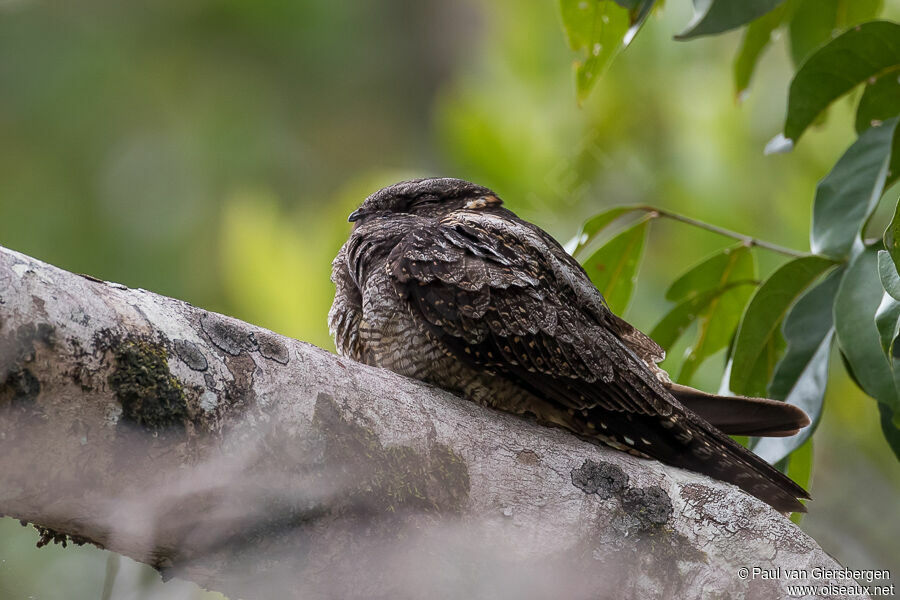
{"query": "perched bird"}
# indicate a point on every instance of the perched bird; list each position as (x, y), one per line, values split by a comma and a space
(441, 283)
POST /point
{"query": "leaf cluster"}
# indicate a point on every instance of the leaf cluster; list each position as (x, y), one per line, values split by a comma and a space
(779, 333)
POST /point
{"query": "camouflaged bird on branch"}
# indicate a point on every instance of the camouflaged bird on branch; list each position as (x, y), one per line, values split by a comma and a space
(438, 281)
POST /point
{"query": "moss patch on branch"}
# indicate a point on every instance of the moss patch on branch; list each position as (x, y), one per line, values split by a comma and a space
(151, 397)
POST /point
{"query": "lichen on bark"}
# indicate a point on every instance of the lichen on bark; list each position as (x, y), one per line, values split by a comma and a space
(151, 397)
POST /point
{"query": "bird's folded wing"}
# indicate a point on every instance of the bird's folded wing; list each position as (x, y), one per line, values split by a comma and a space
(499, 300)
(502, 295)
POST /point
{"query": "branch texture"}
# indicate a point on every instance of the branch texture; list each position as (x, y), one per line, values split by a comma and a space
(265, 467)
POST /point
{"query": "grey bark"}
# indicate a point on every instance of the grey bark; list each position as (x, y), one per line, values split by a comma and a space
(265, 467)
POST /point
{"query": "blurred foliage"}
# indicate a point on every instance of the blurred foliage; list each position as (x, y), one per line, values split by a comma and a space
(866, 315)
(211, 150)
(613, 268)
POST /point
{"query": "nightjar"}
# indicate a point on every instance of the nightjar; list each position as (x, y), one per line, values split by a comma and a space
(438, 281)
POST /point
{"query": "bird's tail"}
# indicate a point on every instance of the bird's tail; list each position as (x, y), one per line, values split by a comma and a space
(685, 440)
(740, 415)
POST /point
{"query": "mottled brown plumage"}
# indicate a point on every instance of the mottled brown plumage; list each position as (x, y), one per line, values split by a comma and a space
(439, 282)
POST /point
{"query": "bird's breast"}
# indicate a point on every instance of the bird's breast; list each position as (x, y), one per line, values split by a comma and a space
(390, 337)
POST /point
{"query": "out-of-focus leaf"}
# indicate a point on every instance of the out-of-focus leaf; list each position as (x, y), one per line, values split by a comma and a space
(756, 39)
(700, 292)
(880, 100)
(639, 11)
(723, 314)
(801, 377)
(758, 331)
(893, 173)
(613, 268)
(892, 238)
(887, 317)
(887, 272)
(887, 320)
(806, 325)
(834, 69)
(808, 393)
(764, 364)
(596, 29)
(778, 145)
(598, 223)
(815, 22)
(799, 468)
(260, 244)
(890, 425)
(711, 273)
(677, 320)
(849, 193)
(858, 297)
(849, 369)
(716, 16)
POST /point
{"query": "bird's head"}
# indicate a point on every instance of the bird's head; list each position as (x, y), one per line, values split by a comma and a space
(432, 198)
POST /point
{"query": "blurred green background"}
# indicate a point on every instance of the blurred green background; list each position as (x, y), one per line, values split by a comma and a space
(211, 150)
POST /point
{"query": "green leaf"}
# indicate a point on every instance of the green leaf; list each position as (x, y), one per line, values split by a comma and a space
(880, 100)
(849, 193)
(758, 333)
(756, 39)
(893, 172)
(801, 377)
(677, 320)
(808, 393)
(892, 237)
(716, 16)
(887, 317)
(598, 223)
(887, 272)
(857, 300)
(849, 369)
(701, 292)
(723, 314)
(803, 371)
(817, 21)
(760, 373)
(613, 268)
(806, 325)
(890, 427)
(799, 468)
(596, 29)
(833, 70)
(887, 321)
(640, 10)
(711, 273)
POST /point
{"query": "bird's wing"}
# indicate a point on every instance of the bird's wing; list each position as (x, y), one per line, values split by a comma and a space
(502, 295)
(496, 296)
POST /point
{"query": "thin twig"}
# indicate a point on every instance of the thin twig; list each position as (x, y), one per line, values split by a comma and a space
(746, 239)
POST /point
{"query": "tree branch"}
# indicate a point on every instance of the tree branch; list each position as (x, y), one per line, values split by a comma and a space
(265, 467)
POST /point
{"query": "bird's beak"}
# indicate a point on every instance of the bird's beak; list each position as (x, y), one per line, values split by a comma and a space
(356, 215)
